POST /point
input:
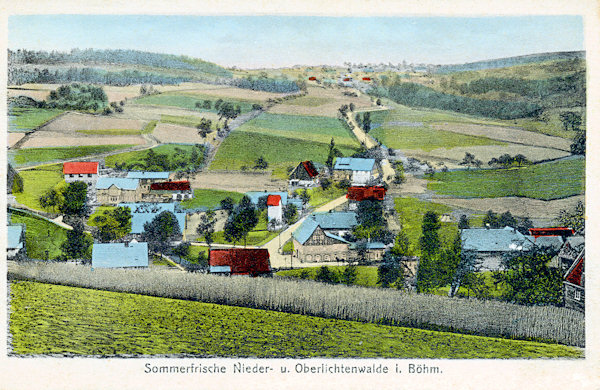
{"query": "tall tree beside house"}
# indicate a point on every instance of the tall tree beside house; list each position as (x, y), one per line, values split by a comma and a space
(227, 204)
(74, 199)
(290, 213)
(491, 220)
(51, 199)
(349, 275)
(428, 272)
(463, 223)
(366, 122)
(206, 227)
(332, 154)
(573, 218)
(430, 241)
(371, 223)
(113, 224)
(506, 219)
(159, 232)
(241, 221)
(530, 281)
(78, 244)
(390, 272)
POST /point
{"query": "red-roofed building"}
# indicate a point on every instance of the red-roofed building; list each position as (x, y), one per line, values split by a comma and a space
(85, 171)
(574, 284)
(359, 194)
(240, 261)
(312, 78)
(169, 191)
(557, 231)
(366, 79)
(305, 174)
(274, 209)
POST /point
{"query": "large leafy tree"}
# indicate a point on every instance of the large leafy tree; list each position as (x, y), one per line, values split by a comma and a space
(206, 227)
(241, 221)
(113, 224)
(78, 244)
(159, 232)
(430, 241)
(74, 199)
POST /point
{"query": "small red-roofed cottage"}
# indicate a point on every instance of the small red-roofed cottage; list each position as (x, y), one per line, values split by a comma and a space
(240, 261)
(306, 174)
(366, 79)
(312, 78)
(85, 171)
(274, 209)
(170, 191)
(574, 284)
(359, 194)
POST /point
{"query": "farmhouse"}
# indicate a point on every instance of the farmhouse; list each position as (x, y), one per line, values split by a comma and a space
(15, 244)
(306, 174)
(319, 238)
(568, 252)
(574, 284)
(86, 172)
(490, 245)
(142, 213)
(285, 200)
(148, 178)
(120, 255)
(115, 190)
(240, 261)
(358, 170)
(274, 209)
(169, 191)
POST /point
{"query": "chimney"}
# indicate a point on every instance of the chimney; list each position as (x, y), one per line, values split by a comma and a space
(126, 244)
(487, 226)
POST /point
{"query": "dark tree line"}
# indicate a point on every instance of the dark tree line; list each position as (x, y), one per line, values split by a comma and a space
(417, 95)
(267, 84)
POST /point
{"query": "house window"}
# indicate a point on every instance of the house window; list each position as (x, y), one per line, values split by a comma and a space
(577, 295)
(89, 175)
(71, 175)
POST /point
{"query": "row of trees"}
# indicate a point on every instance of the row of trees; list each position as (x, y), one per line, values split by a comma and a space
(180, 160)
(267, 84)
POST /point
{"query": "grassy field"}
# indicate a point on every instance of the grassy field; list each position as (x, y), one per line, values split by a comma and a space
(241, 149)
(111, 132)
(189, 100)
(41, 236)
(36, 182)
(425, 138)
(410, 213)
(43, 320)
(305, 128)
(34, 155)
(309, 101)
(21, 118)
(137, 157)
(149, 128)
(406, 114)
(318, 196)
(186, 120)
(546, 181)
(366, 275)
(209, 198)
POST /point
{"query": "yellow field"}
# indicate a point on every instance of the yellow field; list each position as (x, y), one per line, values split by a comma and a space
(331, 98)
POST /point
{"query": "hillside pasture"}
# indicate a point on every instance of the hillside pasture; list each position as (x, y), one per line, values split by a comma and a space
(426, 139)
(37, 182)
(36, 155)
(25, 119)
(43, 239)
(507, 134)
(521, 207)
(77, 121)
(321, 102)
(545, 181)
(41, 91)
(306, 128)
(165, 132)
(232, 93)
(188, 100)
(242, 148)
(238, 181)
(148, 112)
(137, 157)
(110, 323)
(62, 139)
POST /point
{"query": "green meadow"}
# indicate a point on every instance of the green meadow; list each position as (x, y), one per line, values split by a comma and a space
(35, 155)
(36, 182)
(41, 236)
(22, 119)
(546, 181)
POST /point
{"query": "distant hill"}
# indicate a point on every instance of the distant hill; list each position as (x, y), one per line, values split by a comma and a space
(509, 61)
(113, 67)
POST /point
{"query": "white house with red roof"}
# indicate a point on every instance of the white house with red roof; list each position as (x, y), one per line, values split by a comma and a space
(85, 171)
(274, 208)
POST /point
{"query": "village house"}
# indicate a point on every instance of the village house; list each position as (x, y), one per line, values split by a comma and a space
(115, 190)
(85, 171)
(306, 174)
(169, 191)
(148, 178)
(320, 238)
(141, 213)
(490, 245)
(254, 197)
(240, 261)
(15, 244)
(274, 209)
(359, 171)
(120, 255)
(574, 284)
(568, 253)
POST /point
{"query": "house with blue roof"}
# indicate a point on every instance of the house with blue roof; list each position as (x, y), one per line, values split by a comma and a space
(256, 195)
(120, 255)
(15, 243)
(146, 179)
(115, 190)
(360, 171)
(320, 238)
(142, 213)
(490, 245)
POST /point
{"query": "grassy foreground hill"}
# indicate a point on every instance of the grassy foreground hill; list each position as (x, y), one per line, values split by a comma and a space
(43, 320)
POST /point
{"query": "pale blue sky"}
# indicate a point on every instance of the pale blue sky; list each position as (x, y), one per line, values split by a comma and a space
(275, 41)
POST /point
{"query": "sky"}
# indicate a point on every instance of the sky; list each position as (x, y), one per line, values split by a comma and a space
(278, 41)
